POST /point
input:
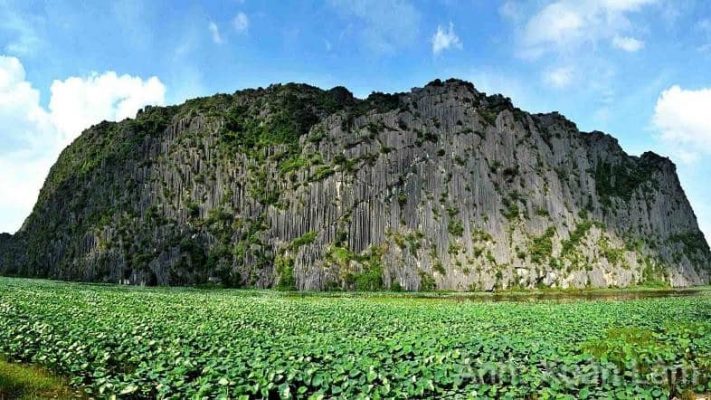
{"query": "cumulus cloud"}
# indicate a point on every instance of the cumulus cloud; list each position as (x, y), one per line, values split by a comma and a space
(627, 43)
(77, 103)
(23, 174)
(564, 25)
(682, 118)
(24, 123)
(33, 136)
(215, 32)
(445, 39)
(241, 23)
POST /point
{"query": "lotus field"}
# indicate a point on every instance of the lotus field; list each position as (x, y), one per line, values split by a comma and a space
(113, 341)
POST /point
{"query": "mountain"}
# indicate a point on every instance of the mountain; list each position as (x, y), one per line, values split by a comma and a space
(292, 186)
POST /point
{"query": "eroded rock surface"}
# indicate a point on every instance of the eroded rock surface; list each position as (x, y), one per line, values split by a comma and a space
(442, 187)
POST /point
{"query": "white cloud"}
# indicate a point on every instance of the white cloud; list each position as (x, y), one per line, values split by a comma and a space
(215, 32)
(77, 103)
(627, 43)
(384, 26)
(556, 24)
(21, 38)
(559, 78)
(32, 136)
(683, 120)
(511, 10)
(24, 123)
(241, 23)
(445, 39)
(564, 25)
(23, 174)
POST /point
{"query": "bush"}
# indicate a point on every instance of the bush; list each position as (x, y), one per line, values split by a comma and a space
(370, 279)
(456, 228)
(322, 173)
(620, 181)
(285, 271)
(427, 282)
(581, 230)
(303, 240)
(542, 247)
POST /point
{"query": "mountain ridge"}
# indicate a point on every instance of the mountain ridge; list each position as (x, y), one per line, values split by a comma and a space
(292, 186)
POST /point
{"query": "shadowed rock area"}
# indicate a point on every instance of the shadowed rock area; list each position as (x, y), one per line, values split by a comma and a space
(292, 186)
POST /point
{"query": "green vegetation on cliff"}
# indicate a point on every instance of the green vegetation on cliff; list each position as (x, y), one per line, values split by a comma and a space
(293, 186)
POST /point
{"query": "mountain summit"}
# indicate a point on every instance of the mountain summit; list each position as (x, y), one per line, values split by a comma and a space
(292, 186)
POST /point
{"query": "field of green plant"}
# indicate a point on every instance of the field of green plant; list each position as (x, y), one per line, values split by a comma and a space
(194, 344)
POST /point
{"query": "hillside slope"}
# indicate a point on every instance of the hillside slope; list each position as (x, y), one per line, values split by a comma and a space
(292, 186)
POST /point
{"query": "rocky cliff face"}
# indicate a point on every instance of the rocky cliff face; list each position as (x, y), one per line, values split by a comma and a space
(291, 186)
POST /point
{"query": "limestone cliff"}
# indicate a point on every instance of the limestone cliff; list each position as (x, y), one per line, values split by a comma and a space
(292, 186)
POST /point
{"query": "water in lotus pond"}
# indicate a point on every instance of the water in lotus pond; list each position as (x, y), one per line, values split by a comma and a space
(523, 296)
(568, 296)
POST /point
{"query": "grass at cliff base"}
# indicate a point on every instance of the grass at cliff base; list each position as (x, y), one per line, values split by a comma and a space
(137, 343)
(25, 382)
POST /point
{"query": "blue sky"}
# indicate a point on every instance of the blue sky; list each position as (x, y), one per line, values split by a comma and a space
(637, 69)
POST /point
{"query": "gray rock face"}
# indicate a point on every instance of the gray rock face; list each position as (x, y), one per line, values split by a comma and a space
(442, 187)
